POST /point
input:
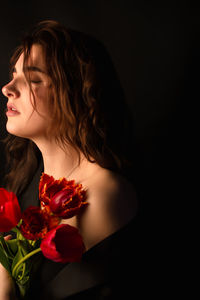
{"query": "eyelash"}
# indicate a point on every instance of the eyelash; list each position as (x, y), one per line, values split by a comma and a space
(35, 81)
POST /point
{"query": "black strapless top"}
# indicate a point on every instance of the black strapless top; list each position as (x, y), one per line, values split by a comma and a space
(109, 270)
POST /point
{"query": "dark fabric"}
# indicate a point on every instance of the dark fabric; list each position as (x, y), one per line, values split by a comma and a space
(107, 270)
(110, 269)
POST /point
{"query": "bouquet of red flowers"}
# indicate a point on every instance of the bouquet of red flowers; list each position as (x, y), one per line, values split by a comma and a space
(38, 229)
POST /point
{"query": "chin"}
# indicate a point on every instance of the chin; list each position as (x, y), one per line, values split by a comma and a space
(14, 130)
(24, 130)
(11, 129)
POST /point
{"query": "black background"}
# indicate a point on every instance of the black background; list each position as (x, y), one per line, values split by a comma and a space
(155, 49)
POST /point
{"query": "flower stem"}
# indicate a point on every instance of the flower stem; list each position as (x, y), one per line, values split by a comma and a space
(24, 259)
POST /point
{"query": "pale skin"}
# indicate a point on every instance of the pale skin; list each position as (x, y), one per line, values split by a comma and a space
(112, 200)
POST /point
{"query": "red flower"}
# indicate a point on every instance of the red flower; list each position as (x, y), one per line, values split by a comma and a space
(10, 212)
(48, 186)
(61, 197)
(36, 223)
(63, 244)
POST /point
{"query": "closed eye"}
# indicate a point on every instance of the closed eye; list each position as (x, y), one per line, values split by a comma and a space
(35, 81)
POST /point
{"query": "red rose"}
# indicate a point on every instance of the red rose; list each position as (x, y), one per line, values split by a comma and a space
(36, 223)
(61, 197)
(10, 212)
(63, 244)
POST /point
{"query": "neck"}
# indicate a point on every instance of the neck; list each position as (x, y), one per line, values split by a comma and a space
(59, 162)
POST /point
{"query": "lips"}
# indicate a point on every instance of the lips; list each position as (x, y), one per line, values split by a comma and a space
(11, 110)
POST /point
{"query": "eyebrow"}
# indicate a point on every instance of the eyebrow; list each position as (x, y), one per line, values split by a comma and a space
(30, 68)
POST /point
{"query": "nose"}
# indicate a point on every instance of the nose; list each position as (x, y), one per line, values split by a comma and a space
(10, 91)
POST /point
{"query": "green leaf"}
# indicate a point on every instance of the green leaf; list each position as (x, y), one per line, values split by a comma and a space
(19, 255)
(18, 232)
(13, 246)
(10, 247)
(5, 247)
(23, 288)
(26, 271)
(25, 247)
(23, 250)
(4, 260)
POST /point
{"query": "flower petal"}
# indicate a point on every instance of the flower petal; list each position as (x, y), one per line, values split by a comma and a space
(63, 244)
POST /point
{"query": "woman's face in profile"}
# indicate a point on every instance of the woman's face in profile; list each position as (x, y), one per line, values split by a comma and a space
(23, 119)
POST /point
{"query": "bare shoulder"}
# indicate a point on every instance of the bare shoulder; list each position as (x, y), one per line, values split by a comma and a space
(114, 191)
(112, 204)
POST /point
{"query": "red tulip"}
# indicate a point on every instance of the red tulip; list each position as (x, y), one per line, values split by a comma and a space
(63, 244)
(10, 212)
(61, 197)
(36, 223)
(67, 203)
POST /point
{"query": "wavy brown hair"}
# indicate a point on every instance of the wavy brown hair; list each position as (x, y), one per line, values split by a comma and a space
(88, 105)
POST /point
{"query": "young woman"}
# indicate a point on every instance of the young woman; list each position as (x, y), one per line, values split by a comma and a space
(67, 117)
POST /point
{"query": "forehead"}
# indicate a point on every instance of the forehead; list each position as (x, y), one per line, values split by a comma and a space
(36, 58)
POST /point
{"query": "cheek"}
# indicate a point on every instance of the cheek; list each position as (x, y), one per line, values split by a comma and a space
(39, 92)
(41, 96)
